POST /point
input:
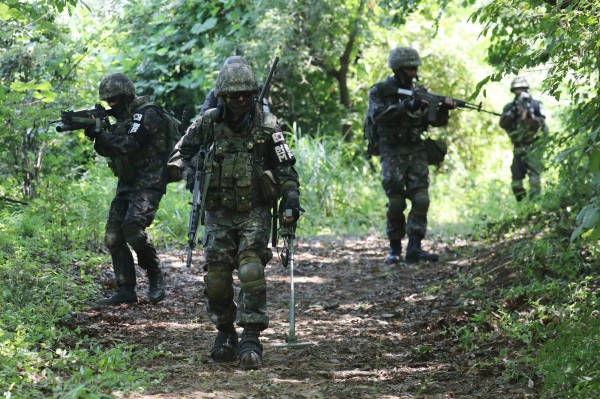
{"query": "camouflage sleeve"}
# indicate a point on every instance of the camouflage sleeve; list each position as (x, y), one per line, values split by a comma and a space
(190, 145)
(382, 113)
(145, 126)
(508, 117)
(281, 161)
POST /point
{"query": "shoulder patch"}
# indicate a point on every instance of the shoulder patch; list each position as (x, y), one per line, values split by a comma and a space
(137, 117)
(277, 137)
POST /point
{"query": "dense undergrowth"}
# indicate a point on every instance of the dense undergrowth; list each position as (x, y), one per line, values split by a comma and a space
(536, 292)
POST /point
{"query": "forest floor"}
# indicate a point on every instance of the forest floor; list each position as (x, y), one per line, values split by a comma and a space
(371, 330)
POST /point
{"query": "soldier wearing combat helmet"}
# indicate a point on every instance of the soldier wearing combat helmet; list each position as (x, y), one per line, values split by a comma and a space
(138, 150)
(400, 121)
(524, 122)
(248, 145)
(212, 101)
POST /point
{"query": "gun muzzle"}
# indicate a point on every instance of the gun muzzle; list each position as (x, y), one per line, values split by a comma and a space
(65, 128)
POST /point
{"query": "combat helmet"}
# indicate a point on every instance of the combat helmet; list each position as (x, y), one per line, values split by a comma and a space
(235, 78)
(519, 83)
(115, 84)
(403, 57)
(235, 59)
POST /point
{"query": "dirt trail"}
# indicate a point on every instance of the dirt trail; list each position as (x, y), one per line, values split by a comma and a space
(379, 331)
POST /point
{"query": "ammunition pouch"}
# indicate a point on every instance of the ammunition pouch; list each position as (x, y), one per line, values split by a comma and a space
(436, 150)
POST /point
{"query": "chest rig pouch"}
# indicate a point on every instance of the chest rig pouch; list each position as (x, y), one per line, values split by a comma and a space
(121, 165)
(238, 167)
(404, 130)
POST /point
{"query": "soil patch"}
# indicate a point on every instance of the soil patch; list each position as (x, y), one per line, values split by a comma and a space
(379, 331)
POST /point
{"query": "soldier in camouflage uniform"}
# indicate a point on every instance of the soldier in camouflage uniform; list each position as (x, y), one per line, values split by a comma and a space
(137, 146)
(399, 121)
(524, 121)
(252, 167)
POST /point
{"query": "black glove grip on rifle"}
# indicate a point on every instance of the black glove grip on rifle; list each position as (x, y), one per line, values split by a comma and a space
(411, 104)
(292, 202)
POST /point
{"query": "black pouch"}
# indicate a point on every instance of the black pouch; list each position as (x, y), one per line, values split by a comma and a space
(436, 151)
(269, 186)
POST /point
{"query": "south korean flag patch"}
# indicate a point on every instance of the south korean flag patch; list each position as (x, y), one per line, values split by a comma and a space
(137, 117)
(278, 137)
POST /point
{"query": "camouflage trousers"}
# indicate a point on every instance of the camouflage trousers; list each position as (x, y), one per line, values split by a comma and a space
(405, 176)
(527, 160)
(129, 214)
(231, 239)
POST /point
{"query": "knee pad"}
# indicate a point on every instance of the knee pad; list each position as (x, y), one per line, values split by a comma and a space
(218, 282)
(135, 236)
(420, 203)
(251, 272)
(113, 238)
(396, 207)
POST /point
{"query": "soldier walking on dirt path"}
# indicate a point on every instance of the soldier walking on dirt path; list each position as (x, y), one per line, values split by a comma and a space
(400, 120)
(525, 122)
(138, 149)
(250, 168)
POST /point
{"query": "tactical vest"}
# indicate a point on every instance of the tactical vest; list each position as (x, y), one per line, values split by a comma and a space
(238, 162)
(127, 167)
(403, 130)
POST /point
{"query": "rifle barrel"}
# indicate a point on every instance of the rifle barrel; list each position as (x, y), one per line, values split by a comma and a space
(267, 81)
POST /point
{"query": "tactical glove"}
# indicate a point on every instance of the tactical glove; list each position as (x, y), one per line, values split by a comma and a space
(90, 132)
(411, 104)
(292, 202)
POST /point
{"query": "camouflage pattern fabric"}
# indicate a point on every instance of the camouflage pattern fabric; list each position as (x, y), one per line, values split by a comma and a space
(238, 217)
(116, 84)
(524, 133)
(235, 78)
(404, 168)
(403, 176)
(227, 234)
(129, 214)
(137, 147)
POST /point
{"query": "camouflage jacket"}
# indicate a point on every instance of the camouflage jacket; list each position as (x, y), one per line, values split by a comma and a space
(396, 126)
(523, 127)
(240, 160)
(137, 147)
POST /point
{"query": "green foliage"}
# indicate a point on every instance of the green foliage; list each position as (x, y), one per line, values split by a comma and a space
(48, 265)
(562, 37)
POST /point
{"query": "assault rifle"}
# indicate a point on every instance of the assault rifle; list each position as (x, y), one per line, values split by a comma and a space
(75, 120)
(435, 100)
(202, 179)
(288, 233)
(261, 96)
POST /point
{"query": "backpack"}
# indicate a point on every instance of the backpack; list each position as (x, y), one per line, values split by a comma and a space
(174, 125)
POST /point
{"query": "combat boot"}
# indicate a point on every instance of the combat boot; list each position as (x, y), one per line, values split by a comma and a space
(124, 294)
(394, 252)
(225, 348)
(156, 282)
(250, 350)
(414, 253)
